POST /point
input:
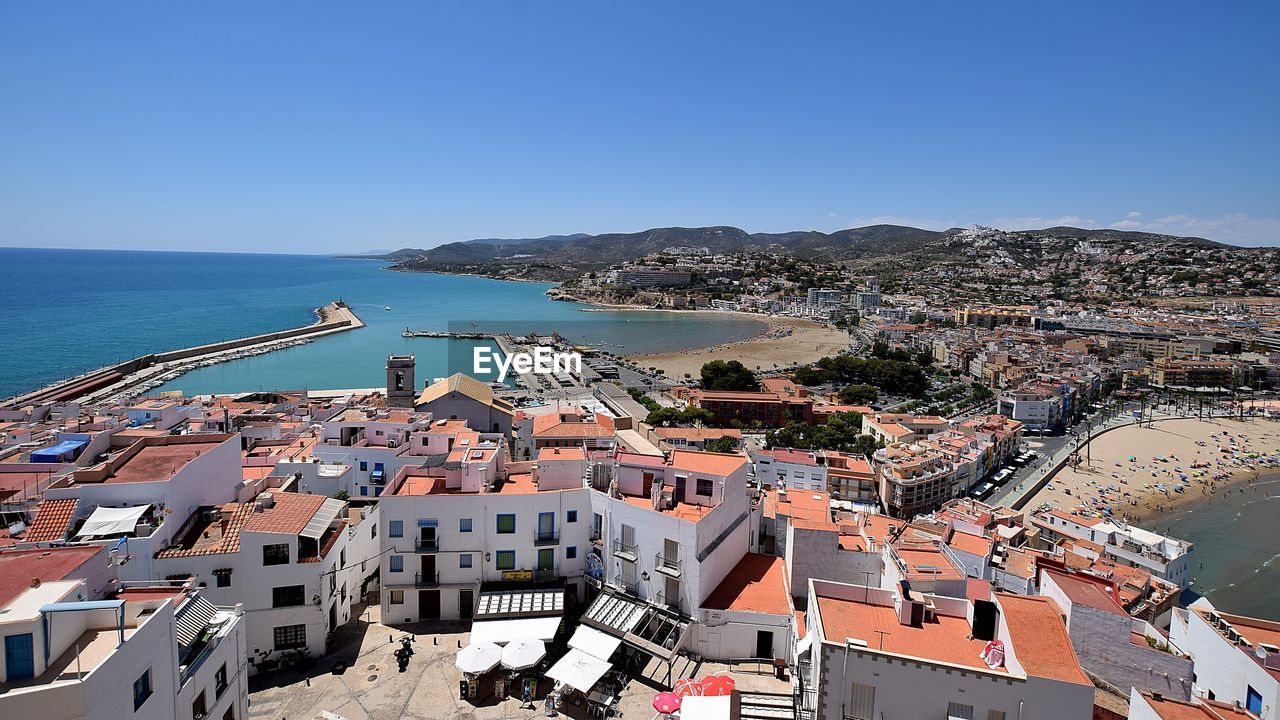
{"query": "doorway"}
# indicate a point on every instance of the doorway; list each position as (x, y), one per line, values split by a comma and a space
(466, 603)
(764, 644)
(428, 604)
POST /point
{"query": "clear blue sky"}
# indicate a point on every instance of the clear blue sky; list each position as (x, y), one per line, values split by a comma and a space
(323, 127)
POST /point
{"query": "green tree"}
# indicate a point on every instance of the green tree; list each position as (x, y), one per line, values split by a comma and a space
(686, 417)
(726, 444)
(728, 375)
(859, 394)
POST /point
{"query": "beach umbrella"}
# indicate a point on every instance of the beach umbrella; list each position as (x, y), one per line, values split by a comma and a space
(686, 687)
(478, 658)
(523, 653)
(666, 702)
(718, 685)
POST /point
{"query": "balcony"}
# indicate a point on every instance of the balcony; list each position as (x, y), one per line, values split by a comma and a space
(545, 574)
(669, 566)
(549, 537)
(631, 588)
(626, 552)
(426, 580)
(426, 546)
(672, 603)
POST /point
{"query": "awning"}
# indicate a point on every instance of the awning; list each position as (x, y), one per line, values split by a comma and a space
(578, 670)
(593, 642)
(113, 521)
(192, 618)
(500, 632)
(323, 518)
(697, 707)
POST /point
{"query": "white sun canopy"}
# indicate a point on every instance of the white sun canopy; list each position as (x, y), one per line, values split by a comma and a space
(578, 670)
(112, 521)
(324, 517)
(500, 632)
(593, 642)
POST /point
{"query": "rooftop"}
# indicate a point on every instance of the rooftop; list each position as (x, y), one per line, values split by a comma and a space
(943, 639)
(53, 517)
(1040, 638)
(19, 568)
(756, 584)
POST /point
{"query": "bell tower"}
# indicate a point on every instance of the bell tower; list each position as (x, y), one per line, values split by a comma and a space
(400, 385)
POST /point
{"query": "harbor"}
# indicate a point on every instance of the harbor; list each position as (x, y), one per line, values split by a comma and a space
(147, 372)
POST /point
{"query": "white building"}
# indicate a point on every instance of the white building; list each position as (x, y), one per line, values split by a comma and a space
(791, 469)
(475, 518)
(1165, 557)
(146, 652)
(1237, 659)
(874, 653)
(296, 563)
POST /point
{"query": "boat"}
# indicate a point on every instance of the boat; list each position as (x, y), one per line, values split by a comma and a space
(388, 307)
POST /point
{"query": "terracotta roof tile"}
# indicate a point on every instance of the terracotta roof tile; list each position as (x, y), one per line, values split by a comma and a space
(52, 520)
(755, 584)
(289, 515)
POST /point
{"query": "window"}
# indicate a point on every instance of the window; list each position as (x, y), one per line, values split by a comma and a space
(570, 552)
(571, 516)
(342, 558)
(464, 560)
(275, 554)
(364, 490)
(1253, 700)
(364, 465)
(704, 488)
(959, 711)
(222, 578)
(199, 707)
(395, 528)
(220, 681)
(288, 596)
(464, 525)
(506, 524)
(506, 560)
(141, 689)
(862, 702)
(396, 563)
(288, 637)
(397, 597)
(373, 534)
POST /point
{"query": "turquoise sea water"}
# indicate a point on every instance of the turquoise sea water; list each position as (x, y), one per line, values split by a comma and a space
(68, 311)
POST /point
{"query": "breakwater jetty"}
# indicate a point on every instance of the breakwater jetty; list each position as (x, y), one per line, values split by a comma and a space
(152, 370)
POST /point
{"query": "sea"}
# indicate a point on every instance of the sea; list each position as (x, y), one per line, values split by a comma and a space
(71, 311)
(1237, 545)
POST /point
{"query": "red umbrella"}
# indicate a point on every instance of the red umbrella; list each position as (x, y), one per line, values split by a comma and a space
(718, 685)
(666, 702)
(686, 687)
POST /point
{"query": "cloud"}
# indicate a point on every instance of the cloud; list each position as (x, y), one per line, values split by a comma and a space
(1039, 223)
(1235, 228)
(833, 215)
(1133, 215)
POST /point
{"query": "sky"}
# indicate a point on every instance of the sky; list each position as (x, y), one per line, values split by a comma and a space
(317, 127)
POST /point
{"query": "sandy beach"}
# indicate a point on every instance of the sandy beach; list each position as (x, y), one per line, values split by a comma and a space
(1137, 471)
(786, 342)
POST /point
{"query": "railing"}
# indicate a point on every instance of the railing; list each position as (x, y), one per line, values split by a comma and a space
(673, 603)
(545, 574)
(758, 666)
(667, 565)
(623, 550)
(549, 537)
(632, 587)
(426, 580)
(596, 535)
(426, 546)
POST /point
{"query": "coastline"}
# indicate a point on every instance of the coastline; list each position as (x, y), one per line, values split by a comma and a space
(1209, 458)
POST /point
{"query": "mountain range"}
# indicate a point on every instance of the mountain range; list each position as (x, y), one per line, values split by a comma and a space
(560, 256)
